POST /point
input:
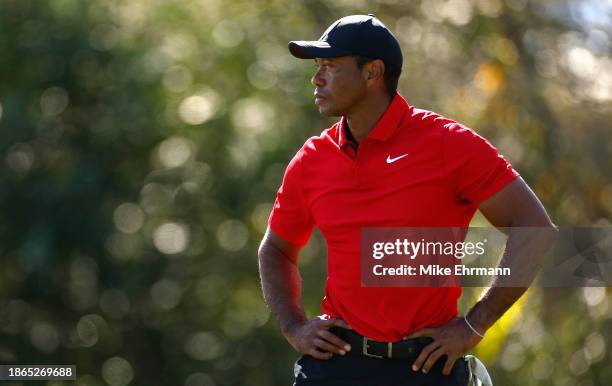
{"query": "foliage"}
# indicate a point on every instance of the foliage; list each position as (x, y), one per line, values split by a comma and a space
(143, 142)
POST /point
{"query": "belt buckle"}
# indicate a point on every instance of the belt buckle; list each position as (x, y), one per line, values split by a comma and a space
(366, 346)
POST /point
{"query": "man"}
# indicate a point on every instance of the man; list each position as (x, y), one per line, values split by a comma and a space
(384, 164)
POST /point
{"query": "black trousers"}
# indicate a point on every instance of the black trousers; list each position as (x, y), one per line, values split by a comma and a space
(358, 370)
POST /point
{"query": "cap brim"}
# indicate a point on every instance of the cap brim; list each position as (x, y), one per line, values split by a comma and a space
(315, 49)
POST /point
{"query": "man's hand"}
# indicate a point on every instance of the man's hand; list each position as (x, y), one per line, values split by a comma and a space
(312, 336)
(453, 340)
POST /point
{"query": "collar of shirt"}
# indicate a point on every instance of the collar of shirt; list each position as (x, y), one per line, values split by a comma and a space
(386, 126)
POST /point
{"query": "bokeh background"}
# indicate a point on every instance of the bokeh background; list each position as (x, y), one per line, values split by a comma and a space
(142, 143)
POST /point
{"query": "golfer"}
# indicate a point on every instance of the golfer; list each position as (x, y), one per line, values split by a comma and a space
(385, 163)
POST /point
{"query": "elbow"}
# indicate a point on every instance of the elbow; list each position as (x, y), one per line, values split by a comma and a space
(554, 231)
(549, 231)
(540, 230)
(544, 236)
(552, 234)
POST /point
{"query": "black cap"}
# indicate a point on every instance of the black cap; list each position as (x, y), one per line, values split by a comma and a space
(352, 35)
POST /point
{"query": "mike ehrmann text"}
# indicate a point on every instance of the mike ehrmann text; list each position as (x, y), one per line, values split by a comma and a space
(437, 270)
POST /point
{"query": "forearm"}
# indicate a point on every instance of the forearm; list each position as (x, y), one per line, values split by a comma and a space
(524, 255)
(282, 286)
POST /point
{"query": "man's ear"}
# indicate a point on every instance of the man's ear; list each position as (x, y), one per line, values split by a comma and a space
(375, 69)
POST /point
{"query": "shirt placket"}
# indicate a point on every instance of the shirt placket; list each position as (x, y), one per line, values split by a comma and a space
(361, 155)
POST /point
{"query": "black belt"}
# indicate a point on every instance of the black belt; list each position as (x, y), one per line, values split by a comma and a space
(360, 345)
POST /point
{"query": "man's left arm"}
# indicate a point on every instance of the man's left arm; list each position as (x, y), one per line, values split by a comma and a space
(514, 206)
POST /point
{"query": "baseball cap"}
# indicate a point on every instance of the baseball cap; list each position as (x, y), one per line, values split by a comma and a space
(362, 35)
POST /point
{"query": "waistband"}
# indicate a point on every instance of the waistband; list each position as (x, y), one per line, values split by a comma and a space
(361, 345)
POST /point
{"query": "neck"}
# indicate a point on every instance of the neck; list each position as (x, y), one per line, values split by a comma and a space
(362, 120)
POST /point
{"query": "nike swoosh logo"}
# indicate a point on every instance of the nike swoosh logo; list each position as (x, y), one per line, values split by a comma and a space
(391, 160)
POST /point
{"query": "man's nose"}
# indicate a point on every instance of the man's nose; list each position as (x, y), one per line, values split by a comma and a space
(316, 79)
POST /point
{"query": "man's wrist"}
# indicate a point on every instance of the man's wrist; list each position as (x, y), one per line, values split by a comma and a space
(289, 326)
(477, 321)
(472, 328)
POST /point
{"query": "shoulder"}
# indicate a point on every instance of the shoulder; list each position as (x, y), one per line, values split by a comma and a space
(450, 129)
(318, 145)
(429, 118)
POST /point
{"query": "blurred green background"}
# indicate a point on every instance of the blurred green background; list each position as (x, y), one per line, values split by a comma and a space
(142, 143)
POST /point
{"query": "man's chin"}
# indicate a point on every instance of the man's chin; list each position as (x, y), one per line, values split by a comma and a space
(328, 112)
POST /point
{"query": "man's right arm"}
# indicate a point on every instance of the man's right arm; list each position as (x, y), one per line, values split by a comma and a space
(282, 289)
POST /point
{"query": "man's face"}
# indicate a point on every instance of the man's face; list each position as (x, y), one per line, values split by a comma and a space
(340, 85)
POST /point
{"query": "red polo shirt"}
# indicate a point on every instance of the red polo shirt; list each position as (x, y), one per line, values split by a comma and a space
(439, 171)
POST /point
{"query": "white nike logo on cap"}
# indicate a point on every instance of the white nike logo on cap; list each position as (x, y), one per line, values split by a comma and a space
(391, 160)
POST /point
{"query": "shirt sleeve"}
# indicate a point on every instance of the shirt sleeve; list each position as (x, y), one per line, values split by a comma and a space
(474, 167)
(291, 218)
